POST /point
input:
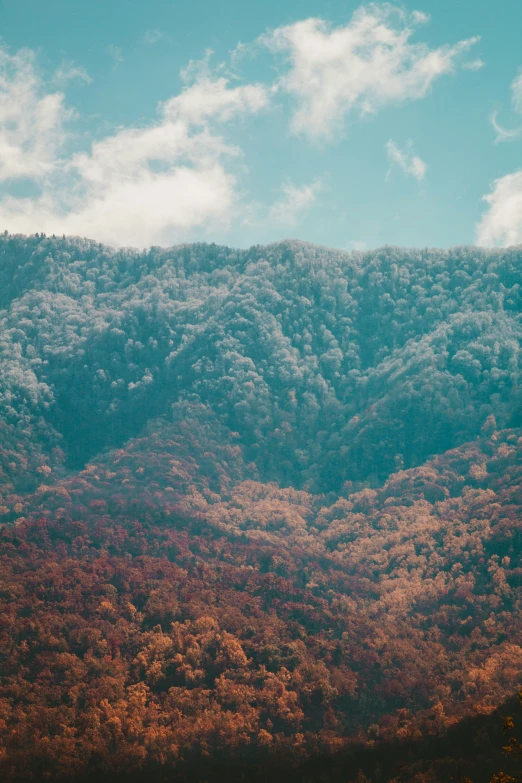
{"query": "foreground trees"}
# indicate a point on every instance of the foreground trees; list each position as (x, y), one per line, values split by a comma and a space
(160, 608)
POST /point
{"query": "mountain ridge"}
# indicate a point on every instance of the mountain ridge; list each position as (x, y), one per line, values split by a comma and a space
(291, 328)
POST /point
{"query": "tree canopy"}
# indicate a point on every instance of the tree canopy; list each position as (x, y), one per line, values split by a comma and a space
(331, 366)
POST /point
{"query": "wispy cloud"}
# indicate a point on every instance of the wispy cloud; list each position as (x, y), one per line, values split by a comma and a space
(294, 202)
(115, 53)
(358, 68)
(501, 224)
(516, 92)
(473, 65)
(504, 134)
(509, 134)
(153, 36)
(68, 71)
(405, 159)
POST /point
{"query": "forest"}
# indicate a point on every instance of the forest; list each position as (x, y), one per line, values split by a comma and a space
(260, 513)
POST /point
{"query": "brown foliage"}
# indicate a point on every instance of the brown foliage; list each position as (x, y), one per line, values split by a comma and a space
(152, 612)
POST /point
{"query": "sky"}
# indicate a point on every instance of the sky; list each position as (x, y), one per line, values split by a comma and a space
(344, 124)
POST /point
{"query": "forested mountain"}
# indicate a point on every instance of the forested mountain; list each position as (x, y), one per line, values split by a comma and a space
(330, 366)
(257, 508)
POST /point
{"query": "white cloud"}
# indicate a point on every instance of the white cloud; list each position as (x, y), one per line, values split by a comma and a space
(504, 134)
(510, 134)
(31, 123)
(359, 68)
(141, 186)
(115, 53)
(294, 202)
(516, 93)
(212, 98)
(162, 181)
(473, 65)
(405, 159)
(69, 71)
(501, 224)
(153, 36)
(419, 17)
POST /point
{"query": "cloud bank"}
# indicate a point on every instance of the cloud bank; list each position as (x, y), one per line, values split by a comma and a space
(179, 173)
(138, 186)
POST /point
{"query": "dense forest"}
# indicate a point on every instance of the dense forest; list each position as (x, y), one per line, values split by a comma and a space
(259, 511)
(330, 366)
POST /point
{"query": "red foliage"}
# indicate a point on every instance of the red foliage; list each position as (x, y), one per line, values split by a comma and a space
(152, 611)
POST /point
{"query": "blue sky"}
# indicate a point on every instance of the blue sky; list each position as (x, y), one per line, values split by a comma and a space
(340, 123)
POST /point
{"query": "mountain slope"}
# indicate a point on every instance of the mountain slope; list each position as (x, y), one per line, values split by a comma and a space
(161, 605)
(256, 507)
(330, 366)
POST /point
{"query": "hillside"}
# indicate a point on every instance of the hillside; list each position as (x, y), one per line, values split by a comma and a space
(330, 366)
(258, 507)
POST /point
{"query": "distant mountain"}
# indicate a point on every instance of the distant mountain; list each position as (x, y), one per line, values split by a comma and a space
(330, 366)
(260, 511)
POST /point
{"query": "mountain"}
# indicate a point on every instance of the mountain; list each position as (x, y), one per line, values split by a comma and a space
(258, 507)
(330, 366)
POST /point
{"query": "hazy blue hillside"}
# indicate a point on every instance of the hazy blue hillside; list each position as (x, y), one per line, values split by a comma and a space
(330, 366)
